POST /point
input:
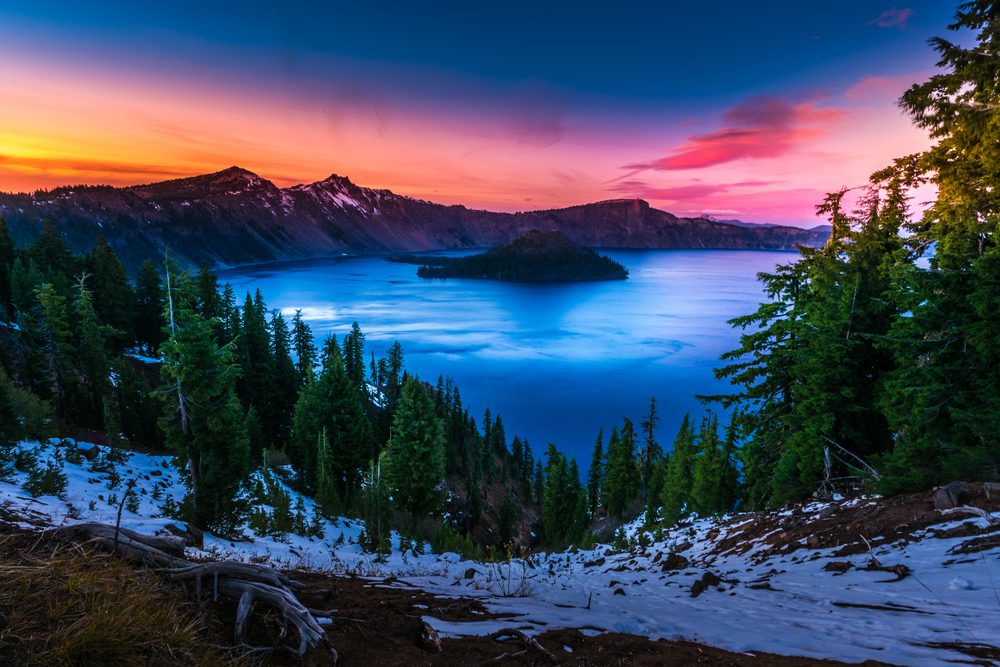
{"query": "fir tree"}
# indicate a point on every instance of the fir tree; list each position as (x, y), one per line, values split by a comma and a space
(415, 461)
(595, 476)
(7, 258)
(651, 451)
(204, 422)
(113, 297)
(305, 349)
(621, 478)
(149, 307)
(679, 477)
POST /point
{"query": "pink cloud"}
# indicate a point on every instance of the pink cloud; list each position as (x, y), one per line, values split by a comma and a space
(892, 18)
(689, 192)
(874, 87)
(761, 127)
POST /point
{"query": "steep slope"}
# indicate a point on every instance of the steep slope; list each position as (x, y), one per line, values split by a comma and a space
(236, 217)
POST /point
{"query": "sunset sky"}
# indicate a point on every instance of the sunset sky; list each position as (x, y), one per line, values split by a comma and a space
(735, 109)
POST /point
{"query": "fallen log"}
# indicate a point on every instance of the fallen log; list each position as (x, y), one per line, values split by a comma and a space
(244, 582)
(530, 643)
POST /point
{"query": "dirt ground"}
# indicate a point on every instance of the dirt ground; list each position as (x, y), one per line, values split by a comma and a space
(380, 625)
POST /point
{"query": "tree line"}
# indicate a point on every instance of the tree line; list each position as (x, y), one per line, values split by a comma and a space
(234, 384)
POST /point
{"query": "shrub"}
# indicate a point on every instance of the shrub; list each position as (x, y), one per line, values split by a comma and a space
(47, 481)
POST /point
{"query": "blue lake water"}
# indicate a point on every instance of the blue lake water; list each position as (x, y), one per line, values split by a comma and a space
(557, 361)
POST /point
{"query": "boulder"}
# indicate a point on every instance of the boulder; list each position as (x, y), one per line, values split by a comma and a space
(191, 535)
(950, 495)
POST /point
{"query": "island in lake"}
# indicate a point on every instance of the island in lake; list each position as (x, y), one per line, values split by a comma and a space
(534, 257)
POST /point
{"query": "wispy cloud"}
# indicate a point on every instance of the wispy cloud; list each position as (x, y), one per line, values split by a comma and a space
(892, 18)
(761, 127)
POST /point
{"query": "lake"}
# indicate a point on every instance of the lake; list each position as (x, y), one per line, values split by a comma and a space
(557, 361)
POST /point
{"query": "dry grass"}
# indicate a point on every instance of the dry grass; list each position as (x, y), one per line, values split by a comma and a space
(62, 604)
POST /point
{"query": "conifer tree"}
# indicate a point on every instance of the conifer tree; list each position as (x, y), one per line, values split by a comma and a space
(149, 307)
(707, 490)
(305, 349)
(679, 475)
(7, 258)
(595, 476)
(415, 460)
(204, 422)
(942, 398)
(53, 258)
(621, 478)
(59, 375)
(651, 451)
(92, 351)
(112, 295)
(326, 476)
(284, 388)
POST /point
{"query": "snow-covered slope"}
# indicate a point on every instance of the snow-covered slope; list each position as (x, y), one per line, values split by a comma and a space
(788, 582)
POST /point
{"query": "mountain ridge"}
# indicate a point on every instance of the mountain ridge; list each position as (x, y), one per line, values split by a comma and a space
(234, 216)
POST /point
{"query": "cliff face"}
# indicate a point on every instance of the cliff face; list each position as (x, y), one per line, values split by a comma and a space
(236, 217)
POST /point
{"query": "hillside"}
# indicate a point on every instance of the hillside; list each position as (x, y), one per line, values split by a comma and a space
(533, 257)
(891, 581)
(236, 217)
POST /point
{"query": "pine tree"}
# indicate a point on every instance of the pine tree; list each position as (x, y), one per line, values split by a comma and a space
(331, 402)
(707, 491)
(651, 451)
(149, 307)
(415, 461)
(326, 476)
(58, 351)
(621, 479)
(305, 349)
(941, 400)
(354, 358)
(595, 476)
(679, 475)
(204, 422)
(92, 350)
(113, 297)
(53, 258)
(7, 258)
(255, 384)
(285, 385)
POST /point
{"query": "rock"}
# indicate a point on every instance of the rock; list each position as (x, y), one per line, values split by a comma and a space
(429, 638)
(697, 588)
(155, 473)
(711, 579)
(470, 573)
(90, 454)
(950, 495)
(619, 591)
(812, 541)
(674, 561)
(191, 535)
(595, 563)
(840, 566)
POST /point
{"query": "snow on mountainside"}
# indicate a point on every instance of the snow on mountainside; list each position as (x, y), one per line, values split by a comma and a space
(865, 579)
(237, 217)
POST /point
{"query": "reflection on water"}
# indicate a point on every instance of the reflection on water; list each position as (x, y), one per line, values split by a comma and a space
(557, 361)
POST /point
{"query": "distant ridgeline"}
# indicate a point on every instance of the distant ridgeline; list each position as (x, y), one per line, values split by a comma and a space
(535, 257)
(235, 217)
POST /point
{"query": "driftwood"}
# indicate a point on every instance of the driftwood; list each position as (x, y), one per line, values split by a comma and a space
(530, 644)
(966, 509)
(244, 582)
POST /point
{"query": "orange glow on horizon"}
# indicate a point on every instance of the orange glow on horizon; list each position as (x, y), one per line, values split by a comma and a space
(61, 126)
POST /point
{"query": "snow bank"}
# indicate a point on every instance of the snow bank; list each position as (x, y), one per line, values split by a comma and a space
(787, 604)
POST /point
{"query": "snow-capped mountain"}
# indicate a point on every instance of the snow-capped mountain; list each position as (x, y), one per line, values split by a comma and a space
(237, 217)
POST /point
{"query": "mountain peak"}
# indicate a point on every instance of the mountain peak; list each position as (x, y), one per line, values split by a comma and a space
(230, 181)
